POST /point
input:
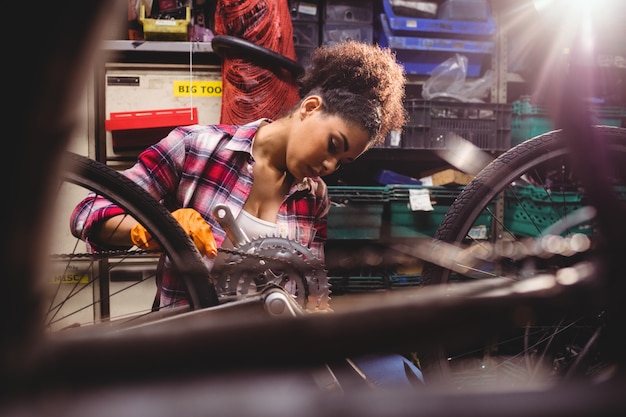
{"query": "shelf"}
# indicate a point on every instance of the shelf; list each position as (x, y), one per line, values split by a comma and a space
(157, 46)
(161, 51)
(408, 162)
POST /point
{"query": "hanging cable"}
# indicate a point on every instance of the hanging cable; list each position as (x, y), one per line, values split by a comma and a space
(190, 80)
(250, 91)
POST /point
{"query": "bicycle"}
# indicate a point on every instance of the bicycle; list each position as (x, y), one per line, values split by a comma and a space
(546, 219)
(545, 197)
(222, 367)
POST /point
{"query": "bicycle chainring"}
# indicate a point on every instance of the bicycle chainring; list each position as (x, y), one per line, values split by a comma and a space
(265, 261)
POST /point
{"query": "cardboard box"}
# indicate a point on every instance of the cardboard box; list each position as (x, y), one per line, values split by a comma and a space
(447, 177)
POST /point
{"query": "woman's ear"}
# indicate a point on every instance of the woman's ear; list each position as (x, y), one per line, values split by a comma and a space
(309, 105)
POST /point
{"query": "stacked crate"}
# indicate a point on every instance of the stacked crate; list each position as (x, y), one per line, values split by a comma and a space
(530, 120)
(438, 125)
(347, 20)
(421, 44)
(356, 212)
(305, 19)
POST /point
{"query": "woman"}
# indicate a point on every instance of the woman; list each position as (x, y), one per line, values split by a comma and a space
(268, 171)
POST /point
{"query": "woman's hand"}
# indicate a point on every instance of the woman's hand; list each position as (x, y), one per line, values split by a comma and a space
(193, 224)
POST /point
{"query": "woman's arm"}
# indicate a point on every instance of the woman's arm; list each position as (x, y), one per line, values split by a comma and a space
(115, 231)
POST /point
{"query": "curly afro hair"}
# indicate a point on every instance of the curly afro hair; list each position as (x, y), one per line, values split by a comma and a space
(362, 83)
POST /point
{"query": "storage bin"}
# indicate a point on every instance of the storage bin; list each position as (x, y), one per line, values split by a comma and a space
(412, 8)
(405, 280)
(165, 29)
(464, 10)
(356, 212)
(304, 11)
(306, 35)
(421, 55)
(413, 26)
(349, 11)
(530, 120)
(436, 124)
(406, 223)
(388, 177)
(137, 130)
(333, 33)
(357, 283)
(529, 210)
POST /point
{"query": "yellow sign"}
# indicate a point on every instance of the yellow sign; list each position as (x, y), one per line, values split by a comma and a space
(198, 88)
(71, 278)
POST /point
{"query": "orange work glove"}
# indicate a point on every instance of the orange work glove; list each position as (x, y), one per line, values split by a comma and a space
(192, 223)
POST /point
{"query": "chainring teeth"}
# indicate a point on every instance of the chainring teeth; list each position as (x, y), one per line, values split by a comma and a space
(284, 261)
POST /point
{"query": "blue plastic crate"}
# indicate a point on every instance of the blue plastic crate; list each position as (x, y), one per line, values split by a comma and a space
(411, 26)
(464, 10)
(421, 55)
(388, 177)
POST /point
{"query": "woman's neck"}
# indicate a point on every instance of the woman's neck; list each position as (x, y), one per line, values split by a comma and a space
(269, 146)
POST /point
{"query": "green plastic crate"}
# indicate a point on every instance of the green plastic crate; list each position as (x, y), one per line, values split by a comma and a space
(530, 120)
(406, 223)
(356, 212)
(358, 283)
(529, 210)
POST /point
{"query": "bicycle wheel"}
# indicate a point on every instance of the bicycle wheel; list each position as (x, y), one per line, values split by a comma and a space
(526, 212)
(86, 287)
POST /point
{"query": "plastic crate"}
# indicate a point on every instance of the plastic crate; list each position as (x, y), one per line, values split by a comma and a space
(412, 26)
(405, 280)
(530, 120)
(387, 177)
(406, 223)
(333, 33)
(165, 29)
(306, 35)
(356, 212)
(529, 210)
(304, 11)
(357, 283)
(420, 55)
(349, 11)
(436, 124)
(464, 10)
(363, 283)
(135, 130)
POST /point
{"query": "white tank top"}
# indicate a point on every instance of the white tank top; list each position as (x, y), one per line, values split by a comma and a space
(253, 227)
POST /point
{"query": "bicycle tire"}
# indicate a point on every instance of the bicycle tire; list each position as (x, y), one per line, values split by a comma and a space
(173, 240)
(231, 46)
(529, 159)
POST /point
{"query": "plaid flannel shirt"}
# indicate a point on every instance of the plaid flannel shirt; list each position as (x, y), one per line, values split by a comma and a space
(199, 167)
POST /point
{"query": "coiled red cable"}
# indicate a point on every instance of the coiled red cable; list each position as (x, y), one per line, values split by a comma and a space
(250, 91)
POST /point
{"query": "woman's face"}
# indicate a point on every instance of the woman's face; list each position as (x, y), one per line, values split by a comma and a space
(320, 143)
